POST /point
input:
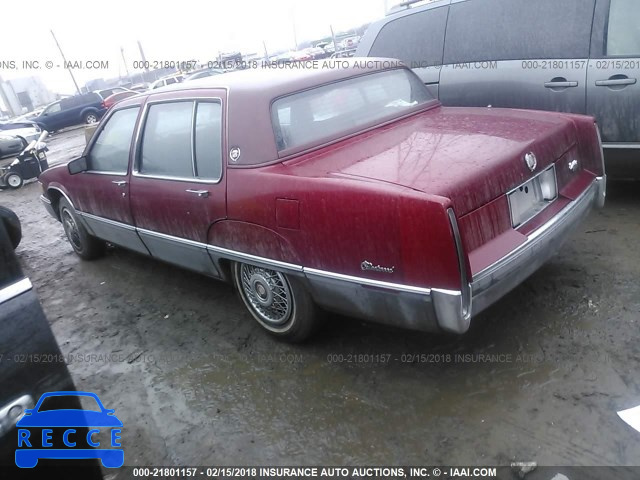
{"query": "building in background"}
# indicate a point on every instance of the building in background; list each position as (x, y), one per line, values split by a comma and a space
(22, 95)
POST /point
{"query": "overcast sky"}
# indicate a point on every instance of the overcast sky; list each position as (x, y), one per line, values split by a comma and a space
(168, 30)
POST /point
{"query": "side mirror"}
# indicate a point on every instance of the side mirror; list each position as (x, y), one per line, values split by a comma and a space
(78, 165)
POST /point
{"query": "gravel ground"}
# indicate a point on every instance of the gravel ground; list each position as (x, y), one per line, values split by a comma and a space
(195, 381)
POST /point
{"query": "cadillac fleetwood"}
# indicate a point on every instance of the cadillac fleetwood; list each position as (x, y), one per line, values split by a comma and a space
(346, 187)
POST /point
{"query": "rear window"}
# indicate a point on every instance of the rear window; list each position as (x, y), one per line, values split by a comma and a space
(416, 39)
(623, 32)
(315, 116)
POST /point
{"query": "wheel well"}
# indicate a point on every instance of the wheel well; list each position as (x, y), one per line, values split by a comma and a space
(55, 196)
(225, 269)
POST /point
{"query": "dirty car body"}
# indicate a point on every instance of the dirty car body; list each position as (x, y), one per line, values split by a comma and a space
(348, 187)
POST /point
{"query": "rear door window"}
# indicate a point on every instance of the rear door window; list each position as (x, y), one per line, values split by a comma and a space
(172, 148)
(486, 30)
(166, 144)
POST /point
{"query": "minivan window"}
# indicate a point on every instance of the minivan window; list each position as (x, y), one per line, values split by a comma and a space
(323, 113)
(486, 30)
(623, 32)
(110, 152)
(166, 143)
(416, 39)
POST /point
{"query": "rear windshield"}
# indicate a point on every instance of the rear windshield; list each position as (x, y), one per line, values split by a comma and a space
(315, 116)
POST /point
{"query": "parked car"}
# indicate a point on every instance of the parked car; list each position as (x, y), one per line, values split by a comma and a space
(25, 129)
(31, 364)
(107, 92)
(111, 100)
(169, 80)
(209, 72)
(27, 116)
(11, 145)
(580, 56)
(139, 87)
(87, 108)
(354, 190)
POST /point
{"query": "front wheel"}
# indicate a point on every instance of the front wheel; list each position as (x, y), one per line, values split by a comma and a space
(13, 180)
(280, 304)
(86, 246)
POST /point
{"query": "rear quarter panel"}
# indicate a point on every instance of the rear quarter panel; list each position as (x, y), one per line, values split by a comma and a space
(342, 222)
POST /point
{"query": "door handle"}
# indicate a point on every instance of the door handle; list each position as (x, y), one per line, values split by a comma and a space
(612, 82)
(200, 193)
(560, 83)
(120, 183)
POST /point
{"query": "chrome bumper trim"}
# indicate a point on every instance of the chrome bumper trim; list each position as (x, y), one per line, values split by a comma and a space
(15, 289)
(366, 281)
(498, 279)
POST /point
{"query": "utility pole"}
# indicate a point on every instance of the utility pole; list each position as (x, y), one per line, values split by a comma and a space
(65, 62)
(333, 37)
(266, 53)
(125, 63)
(144, 59)
(293, 20)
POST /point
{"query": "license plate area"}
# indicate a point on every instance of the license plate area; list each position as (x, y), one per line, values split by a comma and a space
(529, 199)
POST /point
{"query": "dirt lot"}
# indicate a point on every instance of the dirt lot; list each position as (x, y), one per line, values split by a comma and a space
(539, 377)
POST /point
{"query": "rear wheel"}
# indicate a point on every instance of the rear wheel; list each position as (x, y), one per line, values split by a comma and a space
(13, 180)
(86, 246)
(279, 303)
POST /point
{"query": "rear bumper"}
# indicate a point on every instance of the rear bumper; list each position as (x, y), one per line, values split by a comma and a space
(498, 279)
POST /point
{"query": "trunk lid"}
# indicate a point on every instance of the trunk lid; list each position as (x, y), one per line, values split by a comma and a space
(469, 155)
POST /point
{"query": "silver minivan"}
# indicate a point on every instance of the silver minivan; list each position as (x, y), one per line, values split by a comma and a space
(580, 56)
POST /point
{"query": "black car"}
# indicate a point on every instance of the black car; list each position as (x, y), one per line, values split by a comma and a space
(87, 108)
(30, 361)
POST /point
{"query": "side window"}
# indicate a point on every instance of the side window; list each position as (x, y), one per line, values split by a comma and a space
(110, 152)
(168, 140)
(416, 39)
(166, 143)
(55, 108)
(488, 30)
(208, 141)
(623, 31)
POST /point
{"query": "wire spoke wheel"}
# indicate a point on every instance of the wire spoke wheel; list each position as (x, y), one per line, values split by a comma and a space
(268, 294)
(71, 229)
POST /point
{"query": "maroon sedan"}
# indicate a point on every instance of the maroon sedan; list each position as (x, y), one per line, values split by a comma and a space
(111, 100)
(347, 187)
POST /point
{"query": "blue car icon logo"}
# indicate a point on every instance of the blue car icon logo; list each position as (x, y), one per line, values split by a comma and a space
(51, 431)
